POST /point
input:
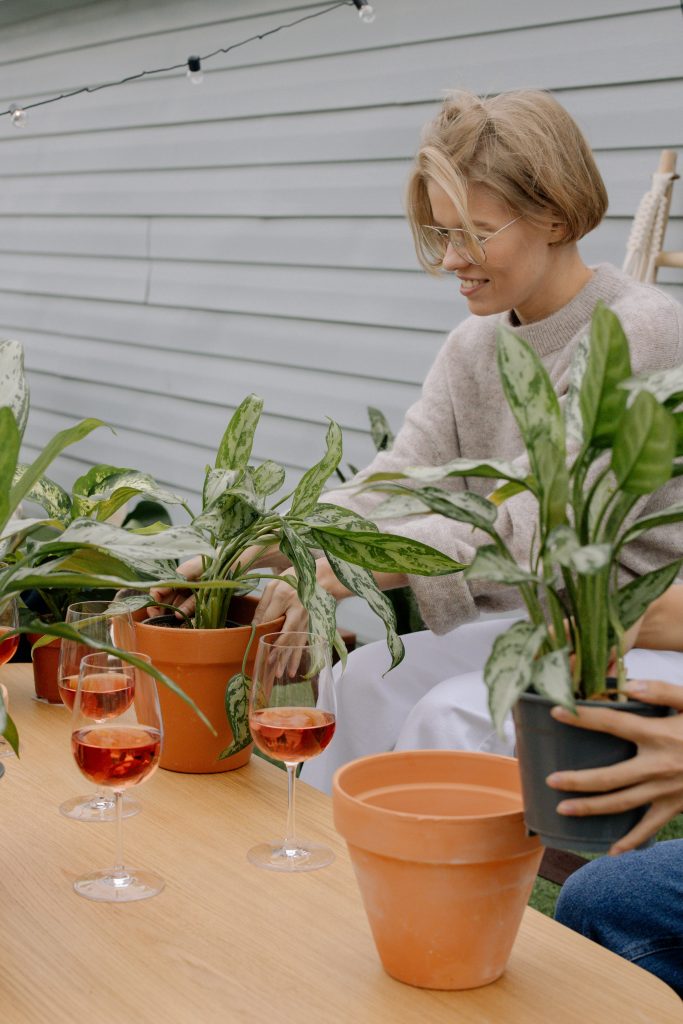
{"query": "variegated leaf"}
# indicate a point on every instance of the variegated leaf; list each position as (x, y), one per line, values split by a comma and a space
(13, 386)
(361, 582)
(322, 611)
(235, 447)
(507, 672)
(564, 549)
(573, 421)
(237, 710)
(397, 506)
(496, 469)
(529, 391)
(664, 385)
(380, 431)
(49, 495)
(133, 548)
(294, 548)
(601, 399)
(125, 484)
(551, 678)
(667, 517)
(489, 564)
(268, 478)
(635, 598)
(311, 485)
(644, 446)
(10, 441)
(334, 515)
(50, 452)
(385, 552)
(216, 483)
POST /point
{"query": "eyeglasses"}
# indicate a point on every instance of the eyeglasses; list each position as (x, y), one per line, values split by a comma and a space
(466, 243)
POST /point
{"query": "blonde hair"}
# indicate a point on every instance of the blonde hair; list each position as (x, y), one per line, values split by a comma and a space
(523, 147)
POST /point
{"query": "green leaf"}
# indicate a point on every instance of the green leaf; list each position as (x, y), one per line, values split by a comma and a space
(334, 515)
(667, 517)
(664, 385)
(295, 549)
(508, 490)
(361, 583)
(635, 598)
(50, 452)
(235, 447)
(529, 392)
(490, 564)
(385, 552)
(10, 441)
(496, 469)
(551, 678)
(9, 731)
(237, 710)
(398, 506)
(465, 506)
(216, 483)
(268, 478)
(601, 399)
(322, 611)
(380, 431)
(644, 446)
(508, 671)
(311, 485)
(564, 548)
(553, 478)
(13, 386)
(573, 420)
(49, 495)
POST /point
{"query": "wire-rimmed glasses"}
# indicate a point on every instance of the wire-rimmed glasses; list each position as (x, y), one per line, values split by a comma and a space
(468, 245)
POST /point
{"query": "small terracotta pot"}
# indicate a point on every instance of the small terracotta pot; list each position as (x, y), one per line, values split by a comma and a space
(201, 662)
(442, 859)
(45, 665)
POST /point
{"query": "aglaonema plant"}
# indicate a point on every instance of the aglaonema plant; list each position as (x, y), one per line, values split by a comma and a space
(588, 468)
(242, 519)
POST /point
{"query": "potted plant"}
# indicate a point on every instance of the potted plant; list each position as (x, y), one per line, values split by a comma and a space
(244, 516)
(78, 551)
(589, 466)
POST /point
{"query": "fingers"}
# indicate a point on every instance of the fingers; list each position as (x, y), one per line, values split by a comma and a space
(598, 719)
(654, 818)
(653, 691)
(600, 780)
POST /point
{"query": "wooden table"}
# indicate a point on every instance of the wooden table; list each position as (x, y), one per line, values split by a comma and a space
(226, 942)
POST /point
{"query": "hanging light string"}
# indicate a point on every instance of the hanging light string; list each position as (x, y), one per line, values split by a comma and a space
(192, 65)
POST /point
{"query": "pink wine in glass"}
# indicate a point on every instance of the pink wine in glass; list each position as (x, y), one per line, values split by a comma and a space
(8, 648)
(117, 755)
(102, 696)
(291, 734)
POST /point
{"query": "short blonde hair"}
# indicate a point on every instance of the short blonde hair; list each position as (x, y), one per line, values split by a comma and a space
(523, 147)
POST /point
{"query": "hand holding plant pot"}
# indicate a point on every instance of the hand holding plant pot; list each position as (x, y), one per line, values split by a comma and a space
(589, 469)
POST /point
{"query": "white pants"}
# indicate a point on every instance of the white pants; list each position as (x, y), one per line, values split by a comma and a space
(435, 699)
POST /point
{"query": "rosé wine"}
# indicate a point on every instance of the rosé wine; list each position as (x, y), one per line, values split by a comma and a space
(104, 695)
(116, 756)
(8, 647)
(291, 734)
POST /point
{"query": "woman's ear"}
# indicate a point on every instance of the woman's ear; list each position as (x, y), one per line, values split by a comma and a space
(557, 230)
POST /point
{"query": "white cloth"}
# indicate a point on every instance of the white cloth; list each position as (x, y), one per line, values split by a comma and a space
(435, 699)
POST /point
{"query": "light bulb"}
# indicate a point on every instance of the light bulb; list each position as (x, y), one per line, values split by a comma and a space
(18, 115)
(366, 13)
(194, 70)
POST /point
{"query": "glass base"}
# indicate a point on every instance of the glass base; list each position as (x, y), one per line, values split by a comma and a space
(126, 887)
(300, 857)
(5, 748)
(95, 808)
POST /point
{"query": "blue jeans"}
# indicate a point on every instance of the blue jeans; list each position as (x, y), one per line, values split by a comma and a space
(633, 905)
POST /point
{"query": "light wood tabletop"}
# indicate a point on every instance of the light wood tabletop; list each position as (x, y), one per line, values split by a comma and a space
(225, 941)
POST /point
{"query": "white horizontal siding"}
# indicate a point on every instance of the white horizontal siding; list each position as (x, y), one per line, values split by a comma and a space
(166, 249)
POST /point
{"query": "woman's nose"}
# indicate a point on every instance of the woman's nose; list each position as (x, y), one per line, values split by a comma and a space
(454, 260)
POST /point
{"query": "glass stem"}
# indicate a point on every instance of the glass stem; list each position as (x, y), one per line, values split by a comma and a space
(119, 870)
(290, 842)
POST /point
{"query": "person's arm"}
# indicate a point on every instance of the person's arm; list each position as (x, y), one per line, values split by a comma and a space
(654, 776)
(662, 625)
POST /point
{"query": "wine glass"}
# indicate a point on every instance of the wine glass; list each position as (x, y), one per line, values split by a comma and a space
(292, 709)
(9, 620)
(116, 735)
(106, 622)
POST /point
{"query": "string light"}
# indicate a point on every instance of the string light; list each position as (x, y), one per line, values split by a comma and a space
(194, 73)
(194, 70)
(366, 11)
(18, 115)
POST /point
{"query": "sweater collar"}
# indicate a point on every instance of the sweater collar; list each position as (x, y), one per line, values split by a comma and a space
(556, 330)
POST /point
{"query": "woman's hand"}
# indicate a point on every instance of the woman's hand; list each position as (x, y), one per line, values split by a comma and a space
(280, 598)
(183, 600)
(654, 776)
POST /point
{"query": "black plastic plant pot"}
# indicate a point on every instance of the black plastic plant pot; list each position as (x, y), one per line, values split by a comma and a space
(544, 746)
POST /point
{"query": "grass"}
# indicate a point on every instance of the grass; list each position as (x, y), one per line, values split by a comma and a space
(544, 894)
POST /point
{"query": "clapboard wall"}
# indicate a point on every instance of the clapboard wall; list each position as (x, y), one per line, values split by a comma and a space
(166, 248)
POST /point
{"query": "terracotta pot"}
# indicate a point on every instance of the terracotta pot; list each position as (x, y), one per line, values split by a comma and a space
(201, 662)
(442, 859)
(45, 665)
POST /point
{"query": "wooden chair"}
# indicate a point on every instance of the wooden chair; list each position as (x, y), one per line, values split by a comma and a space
(645, 254)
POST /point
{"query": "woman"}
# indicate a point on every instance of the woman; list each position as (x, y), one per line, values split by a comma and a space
(501, 192)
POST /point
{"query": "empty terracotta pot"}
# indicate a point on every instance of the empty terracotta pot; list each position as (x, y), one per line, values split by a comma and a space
(441, 855)
(201, 662)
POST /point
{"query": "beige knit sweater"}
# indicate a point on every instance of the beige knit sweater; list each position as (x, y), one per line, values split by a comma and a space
(462, 413)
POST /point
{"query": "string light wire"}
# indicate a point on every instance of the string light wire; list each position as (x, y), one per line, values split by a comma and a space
(12, 111)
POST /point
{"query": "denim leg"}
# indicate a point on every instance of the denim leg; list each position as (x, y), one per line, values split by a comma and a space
(633, 905)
